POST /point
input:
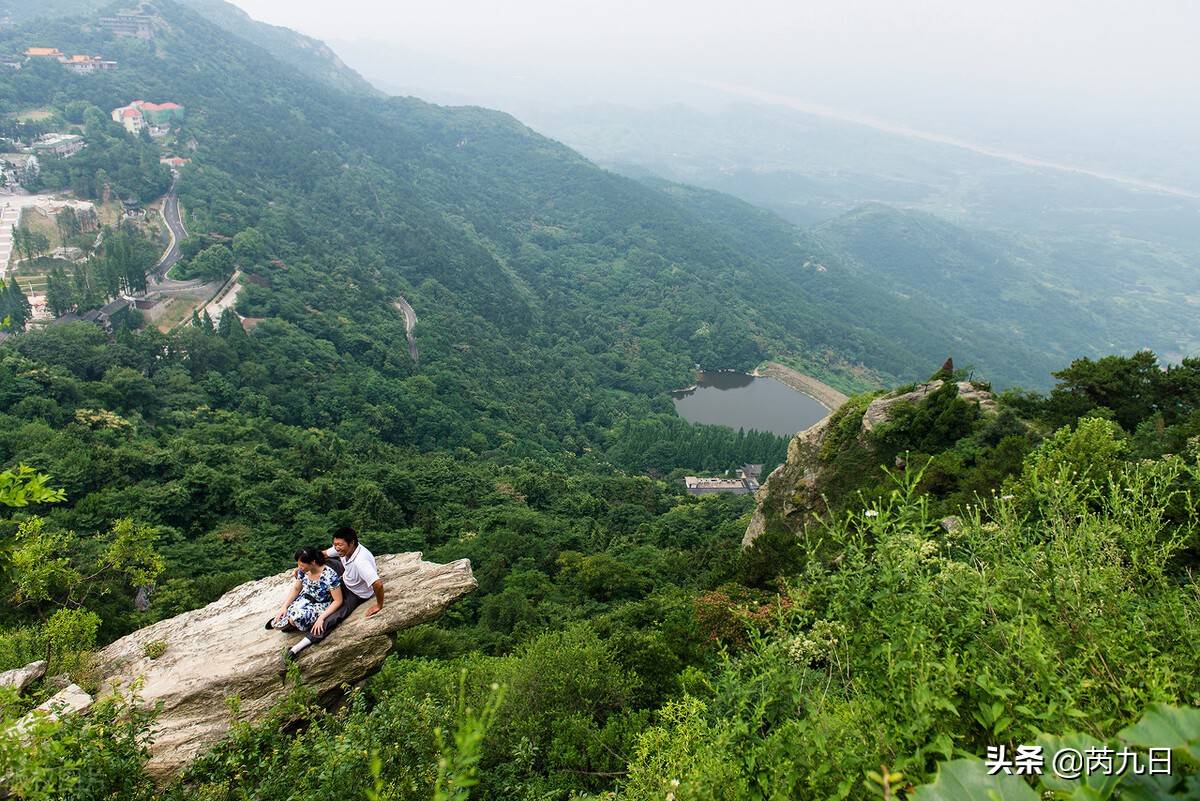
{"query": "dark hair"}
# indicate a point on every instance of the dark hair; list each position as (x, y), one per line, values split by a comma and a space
(308, 555)
(347, 534)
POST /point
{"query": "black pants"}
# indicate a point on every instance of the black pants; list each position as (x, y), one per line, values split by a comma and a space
(350, 602)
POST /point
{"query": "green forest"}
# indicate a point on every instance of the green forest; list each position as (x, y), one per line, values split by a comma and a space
(621, 643)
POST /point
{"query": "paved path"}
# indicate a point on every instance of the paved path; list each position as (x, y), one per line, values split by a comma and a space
(176, 233)
(225, 298)
(410, 322)
(9, 217)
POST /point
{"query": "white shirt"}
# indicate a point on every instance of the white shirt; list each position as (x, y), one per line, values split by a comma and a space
(361, 571)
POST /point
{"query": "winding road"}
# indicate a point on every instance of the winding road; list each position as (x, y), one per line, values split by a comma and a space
(176, 232)
(410, 322)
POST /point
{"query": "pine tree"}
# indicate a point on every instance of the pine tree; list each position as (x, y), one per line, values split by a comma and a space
(110, 276)
(136, 278)
(230, 325)
(68, 223)
(8, 318)
(20, 302)
(14, 307)
(59, 297)
(86, 296)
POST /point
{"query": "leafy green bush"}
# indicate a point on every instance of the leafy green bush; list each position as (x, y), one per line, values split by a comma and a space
(96, 757)
(917, 644)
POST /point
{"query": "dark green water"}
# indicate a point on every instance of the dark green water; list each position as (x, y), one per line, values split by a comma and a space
(739, 400)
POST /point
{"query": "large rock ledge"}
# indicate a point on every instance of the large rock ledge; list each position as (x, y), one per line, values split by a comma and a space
(223, 650)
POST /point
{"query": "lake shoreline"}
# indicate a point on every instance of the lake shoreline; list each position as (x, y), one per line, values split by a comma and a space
(751, 401)
(818, 390)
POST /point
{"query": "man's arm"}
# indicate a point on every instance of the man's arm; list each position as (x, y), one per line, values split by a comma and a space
(377, 586)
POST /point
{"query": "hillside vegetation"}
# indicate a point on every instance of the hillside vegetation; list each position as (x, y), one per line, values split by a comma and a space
(992, 244)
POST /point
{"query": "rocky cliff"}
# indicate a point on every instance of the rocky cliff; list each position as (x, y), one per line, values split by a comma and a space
(791, 494)
(222, 650)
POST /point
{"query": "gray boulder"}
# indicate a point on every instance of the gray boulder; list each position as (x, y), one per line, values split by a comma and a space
(223, 650)
(22, 677)
(71, 699)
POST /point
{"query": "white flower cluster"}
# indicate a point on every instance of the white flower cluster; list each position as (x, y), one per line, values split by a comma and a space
(929, 549)
(816, 645)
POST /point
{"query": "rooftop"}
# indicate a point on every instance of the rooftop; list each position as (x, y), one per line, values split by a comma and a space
(148, 106)
(696, 482)
(114, 306)
(51, 139)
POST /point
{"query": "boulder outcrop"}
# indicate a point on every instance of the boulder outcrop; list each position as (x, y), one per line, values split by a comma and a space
(22, 677)
(791, 493)
(777, 495)
(223, 650)
(879, 411)
(66, 701)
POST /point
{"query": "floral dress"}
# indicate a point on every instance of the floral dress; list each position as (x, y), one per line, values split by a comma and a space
(316, 595)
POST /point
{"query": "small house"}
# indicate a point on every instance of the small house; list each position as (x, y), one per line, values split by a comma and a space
(83, 65)
(745, 483)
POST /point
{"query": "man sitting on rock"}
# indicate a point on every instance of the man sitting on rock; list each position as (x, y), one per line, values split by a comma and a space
(360, 582)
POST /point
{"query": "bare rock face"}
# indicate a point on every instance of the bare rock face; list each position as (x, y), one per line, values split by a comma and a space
(223, 650)
(777, 495)
(22, 677)
(879, 411)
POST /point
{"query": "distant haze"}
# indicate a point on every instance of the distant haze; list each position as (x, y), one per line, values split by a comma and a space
(1097, 83)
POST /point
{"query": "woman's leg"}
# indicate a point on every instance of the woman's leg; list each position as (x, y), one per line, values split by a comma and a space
(302, 613)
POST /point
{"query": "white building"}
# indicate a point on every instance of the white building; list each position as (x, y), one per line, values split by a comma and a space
(58, 144)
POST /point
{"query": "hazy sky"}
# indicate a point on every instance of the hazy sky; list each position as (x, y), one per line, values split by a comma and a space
(1093, 47)
(1013, 72)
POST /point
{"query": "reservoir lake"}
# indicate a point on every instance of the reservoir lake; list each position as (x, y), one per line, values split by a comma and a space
(740, 400)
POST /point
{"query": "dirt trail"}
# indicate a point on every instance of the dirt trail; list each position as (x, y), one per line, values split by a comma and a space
(410, 322)
(824, 394)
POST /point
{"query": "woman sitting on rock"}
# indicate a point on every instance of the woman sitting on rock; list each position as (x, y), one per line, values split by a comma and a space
(315, 595)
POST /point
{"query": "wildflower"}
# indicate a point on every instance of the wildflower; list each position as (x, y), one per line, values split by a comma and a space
(871, 513)
(1007, 497)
